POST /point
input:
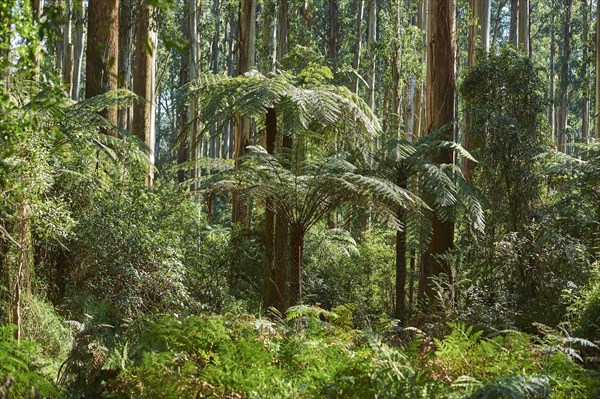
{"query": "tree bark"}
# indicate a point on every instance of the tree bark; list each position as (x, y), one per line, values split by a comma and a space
(597, 118)
(400, 308)
(296, 253)
(144, 83)
(551, 106)
(68, 46)
(183, 148)
(585, 106)
(126, 33)
(332, 33)
(524, 26)
(37, 8)
(358, 43)
(371, 36)
(513, 35)
(440, 112)
(246, 60)
(564, 80)
(194, 53)
(102, 50)
(79, 48)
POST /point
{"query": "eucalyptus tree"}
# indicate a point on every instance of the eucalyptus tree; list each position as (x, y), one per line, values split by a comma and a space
(440, 106)
(102, 52)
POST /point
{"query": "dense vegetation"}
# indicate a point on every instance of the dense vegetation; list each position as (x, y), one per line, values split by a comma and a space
(308, 229)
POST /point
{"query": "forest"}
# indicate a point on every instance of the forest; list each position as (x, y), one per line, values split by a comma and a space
(300, 199)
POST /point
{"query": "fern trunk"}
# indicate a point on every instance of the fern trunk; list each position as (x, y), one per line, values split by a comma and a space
(296, 252)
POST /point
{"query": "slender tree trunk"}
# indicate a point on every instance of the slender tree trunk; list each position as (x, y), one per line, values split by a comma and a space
(332, 32)
(37, 8)
(126, 32)
(371, 36)
(564, 80)
(524, 26)
(246, 60)
(143, 82)
(79, 46)
(194, 54)
(296, 252)
(497, 22)
(552, 105)
(68, 46)
(585, 106)
(183, 148)
(217, 35)
(418, 106)
(597, 117)
(102, 50)
(400, 309)
(358, 43)
(440, 112)
(513, 36)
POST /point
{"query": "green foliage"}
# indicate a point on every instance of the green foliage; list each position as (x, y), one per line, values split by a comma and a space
(20, 367)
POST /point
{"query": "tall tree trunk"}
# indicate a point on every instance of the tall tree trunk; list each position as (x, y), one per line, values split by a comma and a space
(246, 60)
(215, 42)
(37, 8)
(419, 83)
(126, 32)
(371, 36)
(400, 308)
(585, 106)
(513, 36)
(144, 82)
(358, 43)
(68, 46)
(296, 253)
(102, 50)
(332, 32)
(194, 54)
(183, 148)
(281, 224)
(440, 112)
(564, 80)
(524, 26)
(552, 105)
(597, 118)
(79, 48)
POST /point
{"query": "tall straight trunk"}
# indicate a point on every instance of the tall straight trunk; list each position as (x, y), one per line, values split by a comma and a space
(371, 36)
(585, 106)
(215, 42)
(358, 43)
(418, 106)
(400, 308)
(524, 26)
(68, 46)
(102, 50)
(497, 22)
(552, 105)
(144, 84)
(282, 29)
(126, 32)
(37, 8)
(245, 61)
(513, 36)
(183, 148)
(564, 80)
(281, 235)
(296, 253)
(597, 118)
(332, 32)
(79, 12)
(57, 41)
(193, 11)
(440, 112)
